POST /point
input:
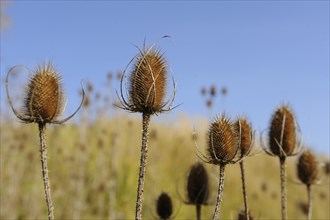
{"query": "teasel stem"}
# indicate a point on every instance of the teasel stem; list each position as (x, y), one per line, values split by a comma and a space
(143, 159)
(283, 187)
(198, 211)
(220, 192)
(310, 204)
(244, 190)
(43, 150)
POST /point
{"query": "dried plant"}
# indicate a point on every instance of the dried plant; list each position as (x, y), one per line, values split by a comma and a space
(222, 149)
(43, 104)
(308, 172)
(164, 206)
(242, 215)
(146, 94)
(197, 187)
(246, 135)
(283, 143)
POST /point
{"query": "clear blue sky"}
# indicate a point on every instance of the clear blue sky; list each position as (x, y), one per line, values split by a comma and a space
(264, 52)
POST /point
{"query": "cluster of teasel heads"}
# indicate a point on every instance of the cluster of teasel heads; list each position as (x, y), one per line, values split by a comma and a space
(44, 103)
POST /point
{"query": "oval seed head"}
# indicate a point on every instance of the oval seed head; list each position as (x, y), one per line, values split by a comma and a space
(307, 168)
(164, 206)
(44, 101)
(222, 141)
(198, 185)
(282, 133)
(148, 81)
(244, 131)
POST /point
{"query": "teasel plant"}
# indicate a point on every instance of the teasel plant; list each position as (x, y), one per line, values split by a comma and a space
(222, 149)
(283, 142)
(164, 206)
(308, 174)
(146, 94)
(246, 140)
(44, 103)
(197, 188)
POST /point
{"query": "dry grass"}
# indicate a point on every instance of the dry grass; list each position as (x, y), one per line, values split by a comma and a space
(92, 165)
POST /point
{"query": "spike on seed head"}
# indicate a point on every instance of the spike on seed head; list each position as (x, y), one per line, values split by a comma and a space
(198, 185)
(44, 100)
(164, 206)
(222, 141)
(245, 133)
(148, 81)
(282, 132)
(307, 168)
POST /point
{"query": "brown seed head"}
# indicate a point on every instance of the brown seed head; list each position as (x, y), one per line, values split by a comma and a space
(282, 133)
(198, 185)
(222, 141)
(148, 81)
(213, 90)
(244, 131)
(164, 206)
(242, 216)
(307, 169)
(44, 101)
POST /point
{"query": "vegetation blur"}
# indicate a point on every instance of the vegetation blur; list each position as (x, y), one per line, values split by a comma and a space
(92, 162)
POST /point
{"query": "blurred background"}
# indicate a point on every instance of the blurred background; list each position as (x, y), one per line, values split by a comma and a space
(242, 58)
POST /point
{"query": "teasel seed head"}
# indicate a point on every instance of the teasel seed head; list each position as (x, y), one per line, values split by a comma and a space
(147, 83)
(44, 99)
(307, 168)
(245, 135)
(223, 141)
(282, 132)
(198, 185)
(164, 206)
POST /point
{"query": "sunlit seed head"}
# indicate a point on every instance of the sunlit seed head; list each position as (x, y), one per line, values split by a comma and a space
(244, 131)
(44, 100)
(282, 132)
(307, 168)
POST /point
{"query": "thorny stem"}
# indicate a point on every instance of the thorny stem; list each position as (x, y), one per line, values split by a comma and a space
(309, 194)
(198, 211)
(244, 190)
(43, 150)
(143, 159)
(220, 192)
(283, 187)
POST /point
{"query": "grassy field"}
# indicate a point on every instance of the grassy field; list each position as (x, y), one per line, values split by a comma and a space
(93, 169)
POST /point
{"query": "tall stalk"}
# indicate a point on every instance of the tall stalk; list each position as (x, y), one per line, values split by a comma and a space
(283, 187)
(198, 211)
(143, 160)
(244, 190)
(310, 204)
(220, 192)
(43, 150)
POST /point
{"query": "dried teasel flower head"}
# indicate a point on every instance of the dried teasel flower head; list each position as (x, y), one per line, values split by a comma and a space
(44, 98)
(147, 83)
(164, 206)
(307, 168)
(283, 133)
(223, 141)
(241, 215)
(197, 185)
(245, 135)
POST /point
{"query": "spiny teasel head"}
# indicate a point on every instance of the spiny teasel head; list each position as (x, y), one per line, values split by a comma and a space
(245, 135)
(44, 99)
(223, 141)
(147, 83)
(307, 168)
(241, 215)
(282, 132)
(197, 185)
(164, 206)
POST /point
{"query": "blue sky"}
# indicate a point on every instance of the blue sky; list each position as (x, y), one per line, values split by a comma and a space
(264, 52)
